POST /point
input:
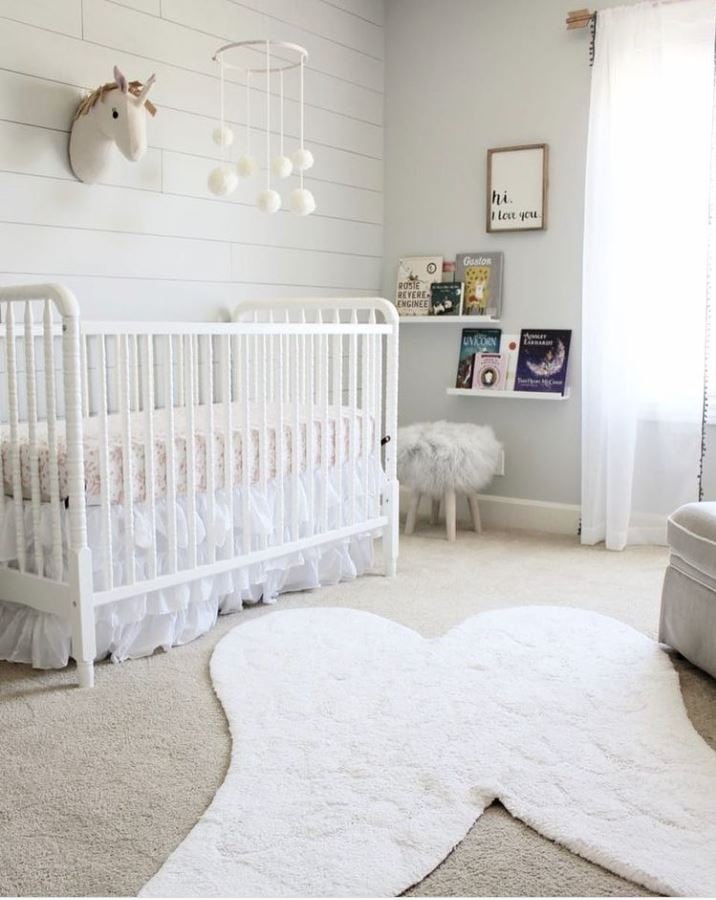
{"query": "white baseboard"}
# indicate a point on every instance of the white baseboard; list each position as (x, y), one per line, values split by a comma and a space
(505, 513)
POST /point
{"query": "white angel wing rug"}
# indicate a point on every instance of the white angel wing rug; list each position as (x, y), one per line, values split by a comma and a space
(363, 753)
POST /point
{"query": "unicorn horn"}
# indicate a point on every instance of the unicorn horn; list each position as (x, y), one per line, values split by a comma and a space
(142, 96)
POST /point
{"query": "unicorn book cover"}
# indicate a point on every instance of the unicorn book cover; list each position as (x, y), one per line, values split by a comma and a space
(474, 341)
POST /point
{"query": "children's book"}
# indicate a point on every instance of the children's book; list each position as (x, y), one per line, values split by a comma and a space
(488, 373)
(445, 298)
(542, 361)
(509, 348)
(482, 276)
(415, 276)
(474, 340)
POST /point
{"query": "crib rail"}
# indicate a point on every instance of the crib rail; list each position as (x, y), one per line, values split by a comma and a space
(285, 386)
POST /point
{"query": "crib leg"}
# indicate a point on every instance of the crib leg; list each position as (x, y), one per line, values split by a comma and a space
(85, 673)
(450, 514)
(390, 507)
(84, 644)
(413, 505)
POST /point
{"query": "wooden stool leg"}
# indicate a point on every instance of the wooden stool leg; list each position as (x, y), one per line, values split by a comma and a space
(475, 510)
(450, 515)
(435, 517)
(412, 512)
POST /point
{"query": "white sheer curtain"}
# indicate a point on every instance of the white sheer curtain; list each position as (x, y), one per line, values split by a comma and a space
(645, 267)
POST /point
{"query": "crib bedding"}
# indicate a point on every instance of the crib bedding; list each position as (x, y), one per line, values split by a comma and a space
(160, 619)
(265, 449)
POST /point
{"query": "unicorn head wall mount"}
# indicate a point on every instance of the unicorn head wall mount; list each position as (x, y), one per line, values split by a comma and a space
(114, 114)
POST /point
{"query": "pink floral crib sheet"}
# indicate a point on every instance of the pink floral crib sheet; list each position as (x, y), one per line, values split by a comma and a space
(263, 443)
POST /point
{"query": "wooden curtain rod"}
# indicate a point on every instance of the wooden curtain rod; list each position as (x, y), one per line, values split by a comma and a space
(580, 18)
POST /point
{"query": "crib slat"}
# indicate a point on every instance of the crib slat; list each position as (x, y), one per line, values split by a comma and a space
(378, 424)
(2, 435)
(365, 392)
(135, 371)
(297, 377)
(247, 448)
(280, 445)
(264, 418)
(338, 419)
(311, 434)
(227, 381)
(210, 446)
(149, 449)
(105, 499)
(124, 394)
(13, 414)
(181, 397)
(2, 467)
(51, 411)
(324, 373)
(36, 500)
(190, 442)
(353, 420)
(84, 376)
(171, 498)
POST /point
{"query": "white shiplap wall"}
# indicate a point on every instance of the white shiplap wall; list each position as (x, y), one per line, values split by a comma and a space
(152, 241)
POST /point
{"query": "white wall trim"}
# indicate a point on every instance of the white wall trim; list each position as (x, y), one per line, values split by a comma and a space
(512, 513)
(534, 515)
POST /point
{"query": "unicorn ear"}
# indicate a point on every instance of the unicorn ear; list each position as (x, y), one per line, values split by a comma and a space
(121, 79)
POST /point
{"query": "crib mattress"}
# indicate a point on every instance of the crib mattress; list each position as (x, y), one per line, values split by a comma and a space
(264, 448)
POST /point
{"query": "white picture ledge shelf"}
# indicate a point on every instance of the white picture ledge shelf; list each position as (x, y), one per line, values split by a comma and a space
(508, 395)
(448, 320)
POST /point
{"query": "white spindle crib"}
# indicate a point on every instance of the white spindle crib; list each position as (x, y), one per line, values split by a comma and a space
(206, 458)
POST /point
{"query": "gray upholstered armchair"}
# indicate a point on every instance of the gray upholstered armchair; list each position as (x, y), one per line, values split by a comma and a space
(688, 603)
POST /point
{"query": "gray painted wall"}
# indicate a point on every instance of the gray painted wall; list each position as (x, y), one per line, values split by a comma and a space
(463, 76)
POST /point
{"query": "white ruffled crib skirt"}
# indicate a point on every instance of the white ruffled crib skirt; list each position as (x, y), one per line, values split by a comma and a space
(138, 626)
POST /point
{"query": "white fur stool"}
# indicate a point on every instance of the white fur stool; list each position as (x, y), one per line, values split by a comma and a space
(443, 459)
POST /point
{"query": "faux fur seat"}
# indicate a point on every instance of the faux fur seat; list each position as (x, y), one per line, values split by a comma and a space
(442, 459)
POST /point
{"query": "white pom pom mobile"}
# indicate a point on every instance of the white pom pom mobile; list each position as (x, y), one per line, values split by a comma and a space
(223, 179)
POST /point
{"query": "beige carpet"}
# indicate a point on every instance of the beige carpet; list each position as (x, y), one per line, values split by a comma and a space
(97, 787)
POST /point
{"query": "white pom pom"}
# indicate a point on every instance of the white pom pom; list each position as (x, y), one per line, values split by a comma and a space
(281, 166)
(222, 181)
(302, 160)
(269, 201)
(246, 166)
(302, 202)
(224, 137)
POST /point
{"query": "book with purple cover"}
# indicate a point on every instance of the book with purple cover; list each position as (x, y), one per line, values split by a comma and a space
(542, 360)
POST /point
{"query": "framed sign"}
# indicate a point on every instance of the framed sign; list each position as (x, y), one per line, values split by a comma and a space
(517, 188)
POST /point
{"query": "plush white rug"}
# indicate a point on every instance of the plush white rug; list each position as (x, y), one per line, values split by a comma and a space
(363, 753)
